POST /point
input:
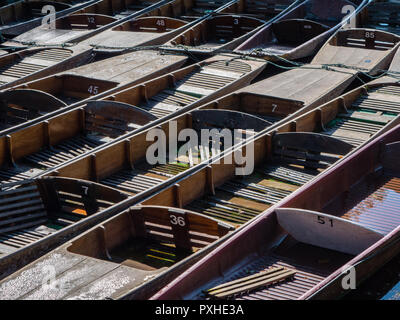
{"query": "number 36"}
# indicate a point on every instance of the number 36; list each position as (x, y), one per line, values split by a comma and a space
(177, 220)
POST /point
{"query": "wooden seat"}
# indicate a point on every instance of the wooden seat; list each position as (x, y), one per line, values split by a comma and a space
(208, 119)
(183, 228)
(155, 24)
(18, 106)
(297, 31)
(84, 21)
(368, 39)
(113, 119)
(310, 150)
(70, 198)
(228, 27)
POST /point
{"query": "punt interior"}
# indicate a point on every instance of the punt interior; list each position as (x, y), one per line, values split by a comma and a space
(300, 32)
(22, 16)
(38, 209)
(82, 23)
(137, 252)
(321, 229)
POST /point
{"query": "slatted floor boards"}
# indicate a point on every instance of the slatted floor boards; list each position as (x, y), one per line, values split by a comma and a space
(375, 108)
(24, 66)
(197, 84)
(249, 283)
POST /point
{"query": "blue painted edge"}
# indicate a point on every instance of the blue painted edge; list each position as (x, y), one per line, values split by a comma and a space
(393, 294)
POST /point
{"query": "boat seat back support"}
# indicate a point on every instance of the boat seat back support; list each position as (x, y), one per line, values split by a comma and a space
(26, 104)
(79, 197)
(208, 119)
(83, 21)
(367, 39)
(156, 24)
(326, 231)
(311, 150)
(113, 118)
(297, 31)
(231, 26)
(188, 229)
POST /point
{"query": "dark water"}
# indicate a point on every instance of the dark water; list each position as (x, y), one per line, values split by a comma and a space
(379, 284)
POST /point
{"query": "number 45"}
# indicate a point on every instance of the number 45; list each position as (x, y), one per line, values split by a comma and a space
(93, 90)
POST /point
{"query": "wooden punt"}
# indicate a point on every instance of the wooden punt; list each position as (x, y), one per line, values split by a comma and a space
(40, 214)
(84, 23)
(213, 192)
(138, 249)
(300, 33)
(62, 138)
(231, 27)
(212, 189)
(348, 217)
(24, 15)
(353, 119)
(346, 56)
(155, 27)
(189, 87)
(49, 96)
(35, 63)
